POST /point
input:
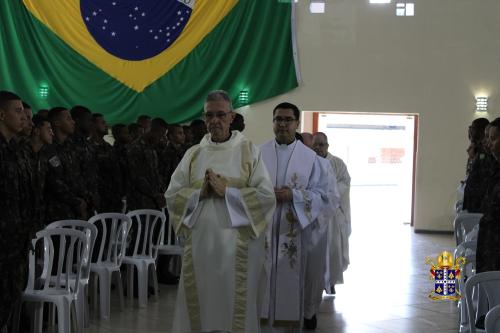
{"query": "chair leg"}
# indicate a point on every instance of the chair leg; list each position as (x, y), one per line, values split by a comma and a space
(119, 284)
(79, 307)
(130, 281)
(155, 282)
(63, 317)
(105, 294)
(142, 283)
(38, 317)
(95, 286)
(86, 317)
(76, 325)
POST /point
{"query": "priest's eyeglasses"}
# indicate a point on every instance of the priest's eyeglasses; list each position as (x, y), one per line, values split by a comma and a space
(219, 115)
(284, 120)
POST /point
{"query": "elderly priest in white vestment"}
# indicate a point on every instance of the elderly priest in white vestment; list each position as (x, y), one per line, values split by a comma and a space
(340, 222)
(300, 190)
(221, 198)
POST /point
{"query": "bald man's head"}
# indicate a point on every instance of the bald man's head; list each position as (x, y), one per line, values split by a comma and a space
(320, 144)
(308, 138)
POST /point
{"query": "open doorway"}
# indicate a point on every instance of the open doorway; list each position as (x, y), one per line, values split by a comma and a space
(379, 151)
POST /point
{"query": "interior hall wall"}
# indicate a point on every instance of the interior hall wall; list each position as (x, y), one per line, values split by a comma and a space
(360, 57)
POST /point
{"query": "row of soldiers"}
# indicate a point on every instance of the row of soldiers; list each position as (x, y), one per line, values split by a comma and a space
(57, 165)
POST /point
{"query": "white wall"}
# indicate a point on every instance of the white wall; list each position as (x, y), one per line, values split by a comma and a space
(362, 58)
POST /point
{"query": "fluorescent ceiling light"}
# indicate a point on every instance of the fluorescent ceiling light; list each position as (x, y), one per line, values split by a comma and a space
(380, 1)
(317, 7)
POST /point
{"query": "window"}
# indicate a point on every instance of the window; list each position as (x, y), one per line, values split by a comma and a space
(405, 9)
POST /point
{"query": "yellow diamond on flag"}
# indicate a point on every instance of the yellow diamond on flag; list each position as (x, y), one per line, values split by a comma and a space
(134, 41)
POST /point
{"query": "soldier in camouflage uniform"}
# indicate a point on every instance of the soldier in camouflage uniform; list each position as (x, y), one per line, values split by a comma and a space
(145, 190)
(481, 168)
(122, 141)
(86, 155)
(170, 159)
(35, 153)
(13, 237)
(136, 131)
(65, 187)
(108, 169)
(488, 240)
(173, 153)
(160, 126)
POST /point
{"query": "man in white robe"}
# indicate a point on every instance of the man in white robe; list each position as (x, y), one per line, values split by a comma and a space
(221, 199)
(340, 224)
(317, 248)
(296, 174)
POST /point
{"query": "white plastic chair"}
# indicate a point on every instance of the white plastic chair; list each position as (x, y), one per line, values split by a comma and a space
(463, 224)
(142, 251)
(466, 250)
(60, 290)
(170, 248)
(110, 244)
(90, 230)
(492, 321)
(490, 283)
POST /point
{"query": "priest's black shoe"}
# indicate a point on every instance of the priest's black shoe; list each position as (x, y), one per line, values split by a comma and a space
(310, 324)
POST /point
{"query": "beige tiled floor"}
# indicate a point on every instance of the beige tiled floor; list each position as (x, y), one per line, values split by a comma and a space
(385, 290)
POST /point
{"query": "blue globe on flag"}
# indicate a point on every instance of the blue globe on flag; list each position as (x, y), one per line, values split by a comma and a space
(135, 29)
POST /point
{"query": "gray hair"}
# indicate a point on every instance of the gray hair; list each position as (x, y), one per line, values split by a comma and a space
(321, 134)
(219, 95)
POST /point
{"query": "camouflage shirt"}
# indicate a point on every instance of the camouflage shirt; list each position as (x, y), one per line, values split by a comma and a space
(481, 171)
(108, 177)
(86, 159)
(169, 160)
(145, 182)
(120, 156)
(66, 186)
(488, 241)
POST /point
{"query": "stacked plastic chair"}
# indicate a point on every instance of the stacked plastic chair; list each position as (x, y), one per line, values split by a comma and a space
(61, 289)
(490, 283)
(107, 258)
(146, 232)
(90, 230)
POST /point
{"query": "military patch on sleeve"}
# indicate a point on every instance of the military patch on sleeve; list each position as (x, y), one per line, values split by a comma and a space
(55, 161)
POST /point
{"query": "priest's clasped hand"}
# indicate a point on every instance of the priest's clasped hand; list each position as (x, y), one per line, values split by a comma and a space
(283, 194)
(213, 183)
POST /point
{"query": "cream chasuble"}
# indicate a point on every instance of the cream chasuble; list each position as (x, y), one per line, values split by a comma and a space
(339, 227)
(297, 167)
(224, 251)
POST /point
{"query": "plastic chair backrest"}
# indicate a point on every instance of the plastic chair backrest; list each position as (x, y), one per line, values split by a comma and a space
(149, 229)
(492, 321)
(71, 244)
(112, 237)
(465, 248)
(90, 231)
(490, 283)
(464, 223)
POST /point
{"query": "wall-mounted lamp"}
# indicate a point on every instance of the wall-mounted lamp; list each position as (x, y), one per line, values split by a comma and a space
(481, 104)
(43, 90)
(317, 6)
(243, 97)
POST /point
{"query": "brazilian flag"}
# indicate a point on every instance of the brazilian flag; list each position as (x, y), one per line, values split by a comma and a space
(123, 58)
